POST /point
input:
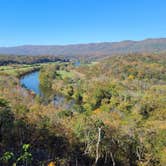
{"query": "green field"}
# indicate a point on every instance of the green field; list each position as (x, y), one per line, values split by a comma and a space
(65, 74)
(17, 70)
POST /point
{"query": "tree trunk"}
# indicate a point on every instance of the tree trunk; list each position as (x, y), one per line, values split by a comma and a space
(97, 145)
(76, 162)
(112, 158)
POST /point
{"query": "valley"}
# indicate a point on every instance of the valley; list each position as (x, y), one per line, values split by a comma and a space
(109, 112)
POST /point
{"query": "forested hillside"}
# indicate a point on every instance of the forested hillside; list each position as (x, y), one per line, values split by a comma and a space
(90, 50)
(113, 113)
(15, 59)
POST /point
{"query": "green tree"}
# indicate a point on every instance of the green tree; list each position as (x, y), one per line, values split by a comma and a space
(26, 156)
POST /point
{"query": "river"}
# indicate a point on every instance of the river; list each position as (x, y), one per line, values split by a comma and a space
(31, 82)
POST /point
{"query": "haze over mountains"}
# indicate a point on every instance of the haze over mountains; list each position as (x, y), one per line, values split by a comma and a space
(95, 49)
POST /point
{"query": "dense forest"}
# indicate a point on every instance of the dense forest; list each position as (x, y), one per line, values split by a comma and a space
(113, 113)
(13, 59)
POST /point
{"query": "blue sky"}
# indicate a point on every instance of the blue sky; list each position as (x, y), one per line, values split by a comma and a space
(80, 21)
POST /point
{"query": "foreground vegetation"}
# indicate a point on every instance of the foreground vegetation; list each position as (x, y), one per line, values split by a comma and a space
(118, 116)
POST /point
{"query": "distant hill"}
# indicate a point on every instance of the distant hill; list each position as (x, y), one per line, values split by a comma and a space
(91, 49)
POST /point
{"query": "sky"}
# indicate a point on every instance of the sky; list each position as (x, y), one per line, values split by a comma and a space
(61, 22)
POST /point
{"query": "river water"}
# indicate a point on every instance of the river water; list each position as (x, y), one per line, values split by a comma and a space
(31, 82)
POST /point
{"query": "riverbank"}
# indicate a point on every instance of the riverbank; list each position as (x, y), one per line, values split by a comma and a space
(18, 70)
(31, 83)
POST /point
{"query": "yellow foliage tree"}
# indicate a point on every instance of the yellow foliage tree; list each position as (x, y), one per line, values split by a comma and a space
(51, 163)
(130, 77)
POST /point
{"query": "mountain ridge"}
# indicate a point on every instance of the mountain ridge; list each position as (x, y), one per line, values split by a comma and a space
(89, 49)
